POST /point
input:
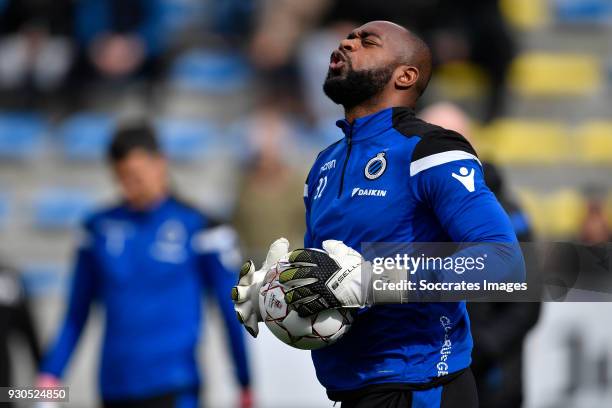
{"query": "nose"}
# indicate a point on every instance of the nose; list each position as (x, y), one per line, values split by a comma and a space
(348, 45)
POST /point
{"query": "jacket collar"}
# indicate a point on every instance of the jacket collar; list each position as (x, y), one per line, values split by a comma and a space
(371, 125)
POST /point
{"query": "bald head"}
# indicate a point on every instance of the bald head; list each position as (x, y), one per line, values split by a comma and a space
(407, 48)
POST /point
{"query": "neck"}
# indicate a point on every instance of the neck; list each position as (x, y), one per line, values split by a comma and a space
(372, 106)
(151, 203)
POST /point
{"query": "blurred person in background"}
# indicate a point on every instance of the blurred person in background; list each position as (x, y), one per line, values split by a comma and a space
(36, 52)
(595, 228)
(147, 261)
(268, 203)
(15, 318)
(499, 328)
(118, 39)
(458, 30)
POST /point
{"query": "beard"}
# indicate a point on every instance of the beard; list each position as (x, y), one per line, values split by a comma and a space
(356, 87)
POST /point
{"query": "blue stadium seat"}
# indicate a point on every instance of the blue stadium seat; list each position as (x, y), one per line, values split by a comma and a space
(84, 136)
(5, 207)
(21, 135)
(61, 208)
(176, 15)
(43, 279)
(211, 72)
(583, 11)
(186, 140)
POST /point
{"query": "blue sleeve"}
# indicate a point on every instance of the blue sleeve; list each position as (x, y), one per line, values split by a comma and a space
(466, 216)
(451, 183)
(219, 261)
(82, 291)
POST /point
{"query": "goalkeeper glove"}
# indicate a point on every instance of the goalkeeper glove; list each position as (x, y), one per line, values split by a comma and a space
(246, 294)
(318, 280)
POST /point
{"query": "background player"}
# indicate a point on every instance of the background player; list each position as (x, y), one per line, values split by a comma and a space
(396, 355)
(148, 261)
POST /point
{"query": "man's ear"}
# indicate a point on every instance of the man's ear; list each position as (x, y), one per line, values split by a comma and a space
(407, 76)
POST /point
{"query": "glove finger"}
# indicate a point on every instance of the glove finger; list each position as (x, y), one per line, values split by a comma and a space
(303, 255)
(338, 248)
(240, 294)
(294, 296)
(251, 325)
(243, 311)
(311, 306)
(293, 271)
(247, 271)
(278, 249)
(299, 283)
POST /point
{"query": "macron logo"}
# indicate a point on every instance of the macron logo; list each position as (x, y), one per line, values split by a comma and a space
(368, 192)
(466, 178)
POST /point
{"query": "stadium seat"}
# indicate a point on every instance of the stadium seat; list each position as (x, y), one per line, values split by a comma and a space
(536, 210)
(21, 135)
(176, 15)
(595, 142)
(526, 14)
(566, 210)
(186, 140)
(61, 208)
(517, 141)
(553, 215)
(460, 80)
(582, 11)
(540, 74)
(43, 279)
(85, 136)
(4, 210)
(211, 72)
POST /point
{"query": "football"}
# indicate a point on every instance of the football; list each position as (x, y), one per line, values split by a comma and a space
(306, 333)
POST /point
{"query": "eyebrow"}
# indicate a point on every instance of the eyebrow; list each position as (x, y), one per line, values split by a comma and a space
(363, 34)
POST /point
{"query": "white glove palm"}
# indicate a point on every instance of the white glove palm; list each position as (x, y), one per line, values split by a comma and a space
(246, 294)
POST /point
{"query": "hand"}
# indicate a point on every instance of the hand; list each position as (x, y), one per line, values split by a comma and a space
(246, 398)
(246, 294)
(45, 380)
(319, 280)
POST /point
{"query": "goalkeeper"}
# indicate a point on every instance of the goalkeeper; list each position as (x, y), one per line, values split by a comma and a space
(392, 178)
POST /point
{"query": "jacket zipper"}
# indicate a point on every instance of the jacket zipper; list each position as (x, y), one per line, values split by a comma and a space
(348, 154)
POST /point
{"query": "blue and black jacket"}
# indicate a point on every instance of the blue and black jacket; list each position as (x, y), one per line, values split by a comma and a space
(149, 271)
(394, 178)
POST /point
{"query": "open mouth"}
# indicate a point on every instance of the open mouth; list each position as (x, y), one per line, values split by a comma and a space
(336, 61)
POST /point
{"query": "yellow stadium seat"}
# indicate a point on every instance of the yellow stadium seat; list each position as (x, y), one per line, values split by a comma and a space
(460, 80)
(539, 74)
(526, 14)
(536, 210)
(594, 140)
(527, 142)
(566, 209)
(554, 215)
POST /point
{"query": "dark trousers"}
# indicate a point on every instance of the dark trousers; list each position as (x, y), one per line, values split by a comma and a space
(460, 392)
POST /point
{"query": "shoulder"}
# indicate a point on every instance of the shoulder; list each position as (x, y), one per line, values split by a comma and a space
(329, 149)
(436, 146)
(444, 142)
(93, 219)
(430, 139)
(192, 213)
(326, 159)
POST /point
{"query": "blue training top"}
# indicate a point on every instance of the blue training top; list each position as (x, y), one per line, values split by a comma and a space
(149, 271)
(395, 178)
